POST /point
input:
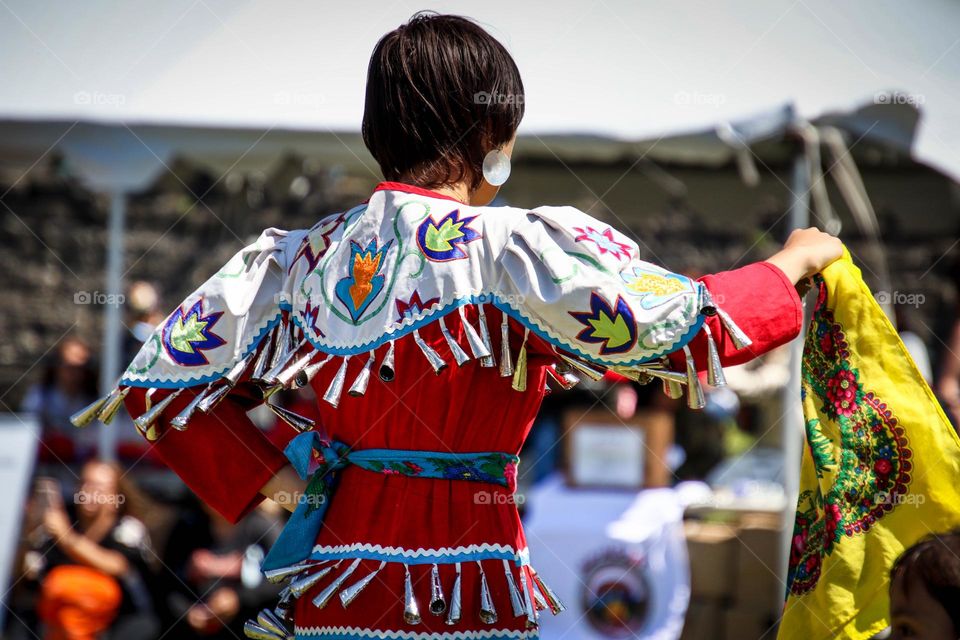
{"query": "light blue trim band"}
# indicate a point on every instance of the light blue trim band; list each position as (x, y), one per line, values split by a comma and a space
(490, 298)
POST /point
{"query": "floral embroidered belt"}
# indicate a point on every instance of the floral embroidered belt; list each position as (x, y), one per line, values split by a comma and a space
(319, 462)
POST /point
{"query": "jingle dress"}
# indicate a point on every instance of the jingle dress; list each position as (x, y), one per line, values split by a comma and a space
(366, 306)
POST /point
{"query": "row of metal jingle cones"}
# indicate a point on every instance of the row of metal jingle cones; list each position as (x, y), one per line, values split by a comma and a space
(286, 359)
(527, 596)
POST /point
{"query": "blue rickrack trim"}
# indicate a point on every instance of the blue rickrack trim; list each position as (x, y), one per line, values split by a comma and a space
(325, 633)
(490, 298)
(191, 382)
(518, 559)
(505, 307)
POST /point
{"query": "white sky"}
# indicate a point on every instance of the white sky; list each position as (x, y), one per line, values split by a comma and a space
(619, 67)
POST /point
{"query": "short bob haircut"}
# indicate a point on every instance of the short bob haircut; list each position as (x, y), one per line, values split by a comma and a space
(441, 93)
(934, 562)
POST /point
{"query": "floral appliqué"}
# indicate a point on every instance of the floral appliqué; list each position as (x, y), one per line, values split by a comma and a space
(860, 453)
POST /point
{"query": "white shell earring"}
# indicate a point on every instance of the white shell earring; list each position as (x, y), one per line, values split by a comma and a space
(496, 167)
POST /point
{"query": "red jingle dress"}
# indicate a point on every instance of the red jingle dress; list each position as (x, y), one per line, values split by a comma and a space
(591, 299)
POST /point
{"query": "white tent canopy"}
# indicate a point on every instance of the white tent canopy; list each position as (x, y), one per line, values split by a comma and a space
(611, 67)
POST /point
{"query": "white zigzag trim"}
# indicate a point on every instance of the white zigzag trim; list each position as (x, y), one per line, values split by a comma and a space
(421, 552)
(357, 632)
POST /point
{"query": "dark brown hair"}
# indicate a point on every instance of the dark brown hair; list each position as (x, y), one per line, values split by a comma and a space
(441, 93)
(935, 563)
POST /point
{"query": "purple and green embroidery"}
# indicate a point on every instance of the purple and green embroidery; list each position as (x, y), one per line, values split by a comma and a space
(443, 241)
(187, 334)
(870, 463)
(611, 326)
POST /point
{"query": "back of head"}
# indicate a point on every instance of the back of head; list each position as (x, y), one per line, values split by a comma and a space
(934, 563)
(441, 93)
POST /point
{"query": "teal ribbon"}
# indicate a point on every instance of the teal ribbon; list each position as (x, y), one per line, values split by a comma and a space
(318, 462)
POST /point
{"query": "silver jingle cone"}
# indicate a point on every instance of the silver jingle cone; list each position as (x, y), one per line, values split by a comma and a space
(695, 398)
(437, 602)
(275, 576)
(487, 361)
(455, 610)
(290, 373)
(488, 612)
(359, 386)
(527, 602)
(715, 377)
(112, 406)
(459, 355)
(146, 420)
(212, 398)
(387, 369)
(298, 422)
(349, 594)
(436, 362)
(335, 390)
(308, 373)
(253, 630)
(515, 603)
(411, 611)
(506, 362)
(269, 621)
(89, 413)
(739, 338)
(324, 597)
(474, 341)
(263, 359)
(179, 422)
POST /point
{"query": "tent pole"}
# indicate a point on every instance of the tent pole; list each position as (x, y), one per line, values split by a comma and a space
(792, 437)
(112, 321)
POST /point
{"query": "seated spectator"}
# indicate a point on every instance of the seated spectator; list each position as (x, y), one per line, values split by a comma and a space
(68, 385)
(106, 552)
(215, 582)
(925, 589)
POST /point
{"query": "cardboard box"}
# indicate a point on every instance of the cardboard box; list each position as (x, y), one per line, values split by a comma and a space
(704, 620)
(760, 567)
(745, 623)
(713, 551)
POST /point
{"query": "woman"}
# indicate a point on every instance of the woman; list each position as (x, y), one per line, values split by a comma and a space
(94, 575)
(429, 324)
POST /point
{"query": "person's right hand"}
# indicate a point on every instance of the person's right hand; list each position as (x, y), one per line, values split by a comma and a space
(806, 252)
(818, 248)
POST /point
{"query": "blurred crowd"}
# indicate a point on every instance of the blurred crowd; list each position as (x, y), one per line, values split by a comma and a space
(124, 550)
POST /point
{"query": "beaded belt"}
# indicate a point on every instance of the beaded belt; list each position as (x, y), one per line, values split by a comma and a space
(319, 462)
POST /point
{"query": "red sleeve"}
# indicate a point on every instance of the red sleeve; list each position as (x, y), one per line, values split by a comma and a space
(222, 456)
(761, 300)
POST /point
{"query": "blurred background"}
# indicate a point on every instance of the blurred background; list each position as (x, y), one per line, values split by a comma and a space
(142, 144)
